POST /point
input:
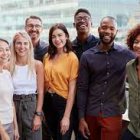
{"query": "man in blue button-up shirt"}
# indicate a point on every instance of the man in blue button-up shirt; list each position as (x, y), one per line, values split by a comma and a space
(101, 85)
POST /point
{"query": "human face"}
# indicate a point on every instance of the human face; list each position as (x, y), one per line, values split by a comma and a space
(83, 23)
(107, 31)
(4, 52)
(34, 28)
(22, 46)
(59, 38)
(136, 46)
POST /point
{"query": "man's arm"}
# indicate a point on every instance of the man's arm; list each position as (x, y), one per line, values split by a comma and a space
(82, 93)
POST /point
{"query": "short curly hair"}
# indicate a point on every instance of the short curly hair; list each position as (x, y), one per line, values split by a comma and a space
(131, 36)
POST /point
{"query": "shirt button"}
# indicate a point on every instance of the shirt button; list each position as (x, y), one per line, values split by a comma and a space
(105, 82)
(107, 73)
(103, 93)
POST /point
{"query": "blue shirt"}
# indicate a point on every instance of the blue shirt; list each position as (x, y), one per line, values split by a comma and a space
(40, 50)
(79, 47)
(101, 81)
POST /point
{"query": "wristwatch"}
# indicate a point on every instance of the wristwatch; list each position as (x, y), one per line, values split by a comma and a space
(38, 113)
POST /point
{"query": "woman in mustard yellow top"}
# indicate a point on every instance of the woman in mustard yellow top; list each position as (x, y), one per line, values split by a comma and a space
(61, 70)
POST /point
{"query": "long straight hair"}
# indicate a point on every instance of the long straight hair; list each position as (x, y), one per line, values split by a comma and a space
(30, 56)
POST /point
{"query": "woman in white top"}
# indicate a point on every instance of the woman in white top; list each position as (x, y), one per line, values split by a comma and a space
(28, 81)
(7, 112)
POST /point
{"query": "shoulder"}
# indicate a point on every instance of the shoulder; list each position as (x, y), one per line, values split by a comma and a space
(131, 62)
(72, 56)
(126, 51)
(94, 38)
(43, 44)
(38, 64)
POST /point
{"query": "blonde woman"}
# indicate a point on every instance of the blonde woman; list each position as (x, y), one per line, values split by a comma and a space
(28, 81)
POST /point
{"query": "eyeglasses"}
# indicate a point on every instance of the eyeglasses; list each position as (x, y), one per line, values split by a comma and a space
(31, 26)
(85, 18)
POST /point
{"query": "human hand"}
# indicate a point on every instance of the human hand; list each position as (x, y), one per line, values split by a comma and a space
(36, 123)
(64, 125)
(83, 127)
(16, 134)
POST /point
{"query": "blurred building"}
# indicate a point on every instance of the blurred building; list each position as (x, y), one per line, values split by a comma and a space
(14, 12)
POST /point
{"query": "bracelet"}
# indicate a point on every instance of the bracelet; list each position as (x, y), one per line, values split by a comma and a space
(38, 113)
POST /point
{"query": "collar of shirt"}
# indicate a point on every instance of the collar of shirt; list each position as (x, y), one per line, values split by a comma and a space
(98, 50)
(77, 42)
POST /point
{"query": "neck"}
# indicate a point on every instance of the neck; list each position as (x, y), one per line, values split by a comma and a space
(35, 42)
(105, 47)
(60, 51)
(21, 61)
(1, 67)
(82, 37)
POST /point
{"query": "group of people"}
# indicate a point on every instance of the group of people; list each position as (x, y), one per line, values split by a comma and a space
(79, 84)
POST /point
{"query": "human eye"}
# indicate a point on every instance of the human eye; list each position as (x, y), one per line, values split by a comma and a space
(8, 49)
(60, 35)
(1, 49)
(18, 43)
(25, 43)
(53, 36)
(136, 41)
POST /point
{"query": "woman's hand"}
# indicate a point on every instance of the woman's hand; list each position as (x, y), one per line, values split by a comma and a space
(64, 125)
(36, 122)
(16, 134)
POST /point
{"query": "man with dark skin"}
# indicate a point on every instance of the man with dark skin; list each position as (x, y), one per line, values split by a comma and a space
(83, 41)
(34, 27)
(83, 25)
(101, 85)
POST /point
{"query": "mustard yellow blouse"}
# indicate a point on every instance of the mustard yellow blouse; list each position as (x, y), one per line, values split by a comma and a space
(60, 71)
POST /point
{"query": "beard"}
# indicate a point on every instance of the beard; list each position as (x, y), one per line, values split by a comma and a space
(106, 41)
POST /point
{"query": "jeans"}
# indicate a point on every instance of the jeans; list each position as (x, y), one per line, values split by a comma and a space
(55, 108)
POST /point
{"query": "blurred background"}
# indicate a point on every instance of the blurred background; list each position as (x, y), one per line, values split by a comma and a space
(14, 12)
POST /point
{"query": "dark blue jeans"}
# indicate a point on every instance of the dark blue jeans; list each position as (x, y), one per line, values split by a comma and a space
(55, 107)
(129, 136)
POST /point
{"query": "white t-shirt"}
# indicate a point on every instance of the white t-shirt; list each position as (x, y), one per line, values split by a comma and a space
(6, 97)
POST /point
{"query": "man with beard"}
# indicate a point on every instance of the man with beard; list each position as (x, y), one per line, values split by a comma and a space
(83, 41)
(101, 85)
(34, 27)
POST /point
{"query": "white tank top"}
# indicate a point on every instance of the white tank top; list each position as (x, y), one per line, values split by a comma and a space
(6, 97)
(24, 82)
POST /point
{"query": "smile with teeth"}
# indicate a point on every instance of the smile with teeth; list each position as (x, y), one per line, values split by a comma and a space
(106, 37)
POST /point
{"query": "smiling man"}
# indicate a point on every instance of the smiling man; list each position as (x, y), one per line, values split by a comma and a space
(83, 41)
(83, 25)
(101, 85)
(34, 27)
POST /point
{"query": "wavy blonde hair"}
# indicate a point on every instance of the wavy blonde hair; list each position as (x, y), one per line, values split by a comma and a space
(30, 57)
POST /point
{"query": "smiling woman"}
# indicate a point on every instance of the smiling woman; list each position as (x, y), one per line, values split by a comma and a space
(133, 74)
(61, 70)
(7, 112)
(28, 81)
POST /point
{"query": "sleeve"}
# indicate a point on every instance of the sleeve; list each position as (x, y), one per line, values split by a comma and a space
(82, 86)
(74, 67)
